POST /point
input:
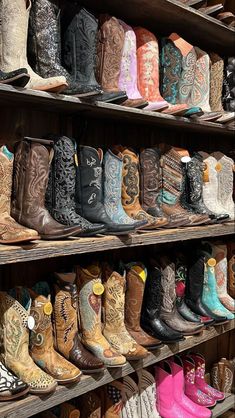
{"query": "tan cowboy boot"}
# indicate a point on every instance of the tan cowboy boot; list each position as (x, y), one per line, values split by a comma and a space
(135, 283)
(90, 291)
(131, 190)
(10, 231)
(222, 375)
(231, 268)
(13, 55)
(15, 324)
(114, 326)
(41, 339)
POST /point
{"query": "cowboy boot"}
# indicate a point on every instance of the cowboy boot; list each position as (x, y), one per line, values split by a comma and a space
(121, 399)
(114, 306)
(47, 61)
(228, 98)
(14, 32)
(17, 78)
(111, 39)
(194, 288)
(79, 51)
(150, 186)
(90, 405)
(61, 188)
(225, 172)
(90, 291)
(200, 381)
(201, 87)
(11, 386)
(41, 339)
(131, 190)
(231, 268)
(15, 324)
(219, 253)
(31, 171)
(169, 313)
(90, 191)
(113, 164)
(64, 410)
(10, 230)
(151, 320)
(129, 67)
(65, 320)
(147, 394)
(216, 82)
(135, 283)
(210, 296)
(173, 180)
(222, 374)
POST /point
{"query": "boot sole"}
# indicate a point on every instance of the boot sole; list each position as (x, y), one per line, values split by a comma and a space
(153, 347)
(93, 371)
(91, 93)
(17, 395)
(43, 392)
(187, 334)
(115, 365)
(120, 233)
(56, 237)
(69, 381)
(136, 358)
(15, 241)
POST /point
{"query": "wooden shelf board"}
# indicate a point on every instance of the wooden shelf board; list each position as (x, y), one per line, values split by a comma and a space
(49, 249)
(32, 404)
(224, 406)
(40, 100)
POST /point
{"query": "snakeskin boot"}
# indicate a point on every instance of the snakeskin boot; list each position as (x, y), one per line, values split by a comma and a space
(90, 291)
(14, 34)
(44, 29)
(31, 171)
(61, 188)
(18, 77)
(15, 325)
(10, 230)
(65, 321)
(114, 307)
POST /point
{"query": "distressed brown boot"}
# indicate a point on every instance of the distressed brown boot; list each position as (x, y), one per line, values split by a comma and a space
(10, 231)
(65, 318)
(136, 274)
(114, 306)
(31, 171)
(231, 268)
(131, 190)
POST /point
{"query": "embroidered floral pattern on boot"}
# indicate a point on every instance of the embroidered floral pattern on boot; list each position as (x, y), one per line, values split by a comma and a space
(201, 88)
(216, 82)
(225, 170)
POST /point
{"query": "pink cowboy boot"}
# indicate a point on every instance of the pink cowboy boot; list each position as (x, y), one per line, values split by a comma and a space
(166, 404)
(191, 390)
(128, 73)
(200, 382)
(179, 395)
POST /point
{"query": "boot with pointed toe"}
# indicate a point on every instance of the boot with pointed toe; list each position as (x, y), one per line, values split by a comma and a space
(178, 389)
(88, 279)
(136, 275)
(61, 188)
(31, 172)
(15, 324)
(151, 320)
(10, 231)
(91, 188)
(65, 320)
(41, 339)
(114, 306)
(14, 30)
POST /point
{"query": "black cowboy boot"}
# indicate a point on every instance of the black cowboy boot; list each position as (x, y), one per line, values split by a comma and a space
(90, 191)
(151, 320)
(18, 77)
(80, 42)
(45, 46)
(229, 85)
(194, 288)
(60, 195)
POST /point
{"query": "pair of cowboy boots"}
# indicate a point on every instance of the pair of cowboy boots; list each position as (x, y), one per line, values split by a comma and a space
(222, 375)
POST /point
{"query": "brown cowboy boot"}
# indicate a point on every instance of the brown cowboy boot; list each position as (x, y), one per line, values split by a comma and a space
(131, 190)
(10, 231)
(135, 282)
(114, 306)
(222, 374)
(41, 339)
(90, 291)
(31, 171)
(90, 404)
(65, 318)
(231, 268)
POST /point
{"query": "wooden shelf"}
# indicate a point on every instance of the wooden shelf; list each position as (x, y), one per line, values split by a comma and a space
(49, 249)
(34, 404)
(225, 406)
(43, 101)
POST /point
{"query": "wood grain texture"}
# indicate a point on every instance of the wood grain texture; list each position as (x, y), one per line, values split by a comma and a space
(49, 249)
(40, 100)
(32, 404)
(224, 406)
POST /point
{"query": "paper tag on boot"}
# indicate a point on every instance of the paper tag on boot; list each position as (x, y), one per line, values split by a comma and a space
(141, 272)
(218, 167)
(48, 309)
(98, 289)
(31, 322)
(211, 262)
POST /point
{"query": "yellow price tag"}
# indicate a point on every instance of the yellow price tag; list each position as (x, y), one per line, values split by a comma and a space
(98, 289)
(218, 167)
(48, 308)
(211, 262)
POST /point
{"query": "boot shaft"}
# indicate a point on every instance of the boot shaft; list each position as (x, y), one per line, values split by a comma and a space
(195, 277)
(216, 82)
(130, 179)
(113, 299)
(167, 285)
(113, 165)
(136, 275)
(152, 300)
(201, 88)
(170, 69)
(6, 170)
(172, 177)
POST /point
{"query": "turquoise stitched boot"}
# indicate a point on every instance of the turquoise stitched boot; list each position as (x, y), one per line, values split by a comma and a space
(209, 295)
